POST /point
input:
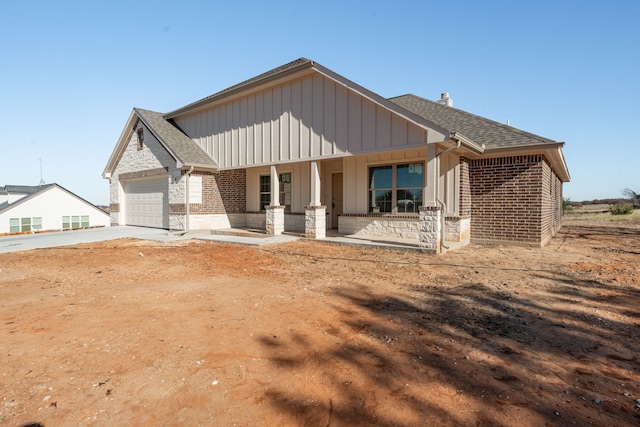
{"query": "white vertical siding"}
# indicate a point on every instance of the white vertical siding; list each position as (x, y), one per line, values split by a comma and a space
(311, 117)
(449, 183)
(51, 205)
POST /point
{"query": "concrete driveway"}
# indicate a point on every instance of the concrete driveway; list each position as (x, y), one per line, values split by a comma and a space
(26, 242)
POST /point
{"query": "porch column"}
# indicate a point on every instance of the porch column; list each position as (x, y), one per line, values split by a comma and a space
(429, 224)
(275, 212)
(315, 184)
(430, 193)
(429, 229)
(315, 215)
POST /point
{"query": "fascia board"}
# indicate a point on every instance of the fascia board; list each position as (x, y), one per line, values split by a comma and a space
(125, 136)
(553, 153)
(227, 96)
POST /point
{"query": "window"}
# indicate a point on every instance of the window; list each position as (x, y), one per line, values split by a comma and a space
(396, 188)
(284, 190)
(17, 225)
(36, 223)
(76, 221)
(140, 138)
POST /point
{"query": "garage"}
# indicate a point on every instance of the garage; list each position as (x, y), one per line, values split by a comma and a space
(147, 202)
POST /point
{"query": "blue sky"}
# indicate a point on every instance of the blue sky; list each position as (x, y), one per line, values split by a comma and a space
(71, 71)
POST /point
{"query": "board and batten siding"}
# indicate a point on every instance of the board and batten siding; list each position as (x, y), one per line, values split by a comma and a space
(356, 172)
(308, 118)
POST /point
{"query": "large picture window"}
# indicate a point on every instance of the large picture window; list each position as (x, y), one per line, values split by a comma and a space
(396, 188)
(284, 191)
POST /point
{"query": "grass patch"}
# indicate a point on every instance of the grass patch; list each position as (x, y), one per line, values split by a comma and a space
(600, 213)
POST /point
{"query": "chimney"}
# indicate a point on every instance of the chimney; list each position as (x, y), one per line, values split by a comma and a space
(445, 100)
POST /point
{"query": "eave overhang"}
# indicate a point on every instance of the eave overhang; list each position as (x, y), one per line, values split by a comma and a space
(242, 89)
(552, 152)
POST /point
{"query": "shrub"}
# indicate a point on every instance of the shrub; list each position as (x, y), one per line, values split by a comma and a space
(621, 209)
(567, 205)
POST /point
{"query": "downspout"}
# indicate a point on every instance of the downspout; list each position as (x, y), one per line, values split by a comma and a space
(188, 175)
(440, 202)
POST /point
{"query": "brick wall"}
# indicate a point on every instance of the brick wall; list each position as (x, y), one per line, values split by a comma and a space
(507, 199)
(223, 192)
(551, 203)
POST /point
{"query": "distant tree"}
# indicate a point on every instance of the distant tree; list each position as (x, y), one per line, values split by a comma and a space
(633, 197)
(567, 205)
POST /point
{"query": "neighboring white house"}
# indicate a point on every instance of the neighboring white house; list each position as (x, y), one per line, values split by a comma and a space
(45, 208)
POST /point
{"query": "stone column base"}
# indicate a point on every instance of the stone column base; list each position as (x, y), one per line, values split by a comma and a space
(315, 222)
(429, 229)
(275, 220)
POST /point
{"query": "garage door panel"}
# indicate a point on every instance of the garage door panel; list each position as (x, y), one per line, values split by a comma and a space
(147, 202)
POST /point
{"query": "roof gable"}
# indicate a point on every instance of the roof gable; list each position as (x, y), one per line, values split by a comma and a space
(293, 66)
(180, 146)
(38, 190)
(184, 151)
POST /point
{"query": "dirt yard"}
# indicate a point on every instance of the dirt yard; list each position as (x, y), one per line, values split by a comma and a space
(314, 334)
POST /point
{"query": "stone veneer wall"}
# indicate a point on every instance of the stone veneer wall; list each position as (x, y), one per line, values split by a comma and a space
(396, 226)
(257, 220)
(151, 160)
(457, 229)
(507, 199)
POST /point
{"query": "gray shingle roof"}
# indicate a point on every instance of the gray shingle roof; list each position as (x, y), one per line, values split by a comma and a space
(21, 189)
(34, 190)
(180, 145)
(479, 129)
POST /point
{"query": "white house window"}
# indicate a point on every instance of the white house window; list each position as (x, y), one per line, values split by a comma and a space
(140, 138)
(75, 221)
(285, 191)
(17, 225)
(396, 188)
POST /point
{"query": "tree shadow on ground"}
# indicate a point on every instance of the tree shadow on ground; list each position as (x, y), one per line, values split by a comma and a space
(468, 354)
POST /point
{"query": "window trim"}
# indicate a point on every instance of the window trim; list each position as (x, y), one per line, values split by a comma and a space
(287, 208)
(394, 186)
(25, 224)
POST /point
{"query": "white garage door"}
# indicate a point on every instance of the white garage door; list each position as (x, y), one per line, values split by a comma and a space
(147, 202)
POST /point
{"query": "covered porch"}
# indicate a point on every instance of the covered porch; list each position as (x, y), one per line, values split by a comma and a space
(409, 197)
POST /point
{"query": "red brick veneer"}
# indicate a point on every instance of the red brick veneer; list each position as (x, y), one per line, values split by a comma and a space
(223, 192)
(516, 199)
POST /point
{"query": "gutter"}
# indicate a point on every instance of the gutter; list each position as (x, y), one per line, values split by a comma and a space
(188, 175)
(438, 200)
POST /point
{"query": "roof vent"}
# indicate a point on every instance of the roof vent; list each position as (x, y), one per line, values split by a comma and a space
(445, 100)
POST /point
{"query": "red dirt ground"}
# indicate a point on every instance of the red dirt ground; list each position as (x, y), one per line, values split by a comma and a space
(308, 333)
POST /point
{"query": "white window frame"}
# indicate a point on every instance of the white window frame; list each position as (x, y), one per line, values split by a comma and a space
(286, 188)
(372, 209)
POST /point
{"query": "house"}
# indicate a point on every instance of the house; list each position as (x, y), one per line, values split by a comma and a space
(46, 207)
(301, 148)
